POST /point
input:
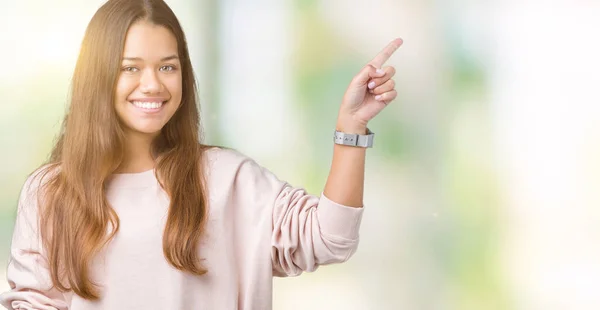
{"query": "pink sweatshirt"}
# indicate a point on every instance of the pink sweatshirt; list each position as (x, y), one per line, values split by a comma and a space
(258, 227)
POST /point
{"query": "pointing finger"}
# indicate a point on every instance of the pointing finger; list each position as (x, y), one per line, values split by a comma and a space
(386, 53)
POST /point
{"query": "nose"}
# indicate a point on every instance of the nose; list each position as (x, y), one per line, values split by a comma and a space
(150, 83)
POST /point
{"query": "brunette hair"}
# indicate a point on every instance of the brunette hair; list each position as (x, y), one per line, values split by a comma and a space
(76, 220)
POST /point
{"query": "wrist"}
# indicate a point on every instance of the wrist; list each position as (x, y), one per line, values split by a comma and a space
(351, 127)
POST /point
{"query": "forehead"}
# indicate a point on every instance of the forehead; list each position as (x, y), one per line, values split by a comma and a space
(149, 41)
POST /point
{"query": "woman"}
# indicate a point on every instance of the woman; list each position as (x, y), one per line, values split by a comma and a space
(133, 212)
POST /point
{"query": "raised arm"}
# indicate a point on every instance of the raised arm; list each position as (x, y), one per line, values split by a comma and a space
(368, 94)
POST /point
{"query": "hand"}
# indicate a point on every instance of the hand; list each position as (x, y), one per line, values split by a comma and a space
(369, 92)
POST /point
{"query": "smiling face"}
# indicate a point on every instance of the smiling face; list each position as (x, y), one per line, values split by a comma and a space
(149, 87)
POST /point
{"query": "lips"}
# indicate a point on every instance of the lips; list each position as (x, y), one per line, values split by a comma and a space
(148, 104)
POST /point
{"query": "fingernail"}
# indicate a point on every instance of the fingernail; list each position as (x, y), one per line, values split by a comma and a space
(378, 97)
(372, 84)
(379, 71)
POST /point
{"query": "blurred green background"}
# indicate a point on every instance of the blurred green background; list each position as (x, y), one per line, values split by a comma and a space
(482, 187)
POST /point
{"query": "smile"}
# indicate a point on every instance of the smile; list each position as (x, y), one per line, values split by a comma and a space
(148, 105)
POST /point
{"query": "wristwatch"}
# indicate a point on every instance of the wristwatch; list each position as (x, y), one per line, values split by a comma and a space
(349, 139)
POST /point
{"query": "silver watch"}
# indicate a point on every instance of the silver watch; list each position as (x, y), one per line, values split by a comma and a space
(354, 139)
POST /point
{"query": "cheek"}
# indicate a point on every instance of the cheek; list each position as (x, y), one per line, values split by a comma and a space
(174, 85)
(125, 86)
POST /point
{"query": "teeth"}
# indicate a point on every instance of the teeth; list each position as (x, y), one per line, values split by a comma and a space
(147, 105)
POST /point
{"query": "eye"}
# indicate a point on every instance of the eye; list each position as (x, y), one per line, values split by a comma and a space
(130, 69)
(168, 68)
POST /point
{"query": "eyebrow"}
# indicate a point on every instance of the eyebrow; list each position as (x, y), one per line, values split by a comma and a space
(162, 59)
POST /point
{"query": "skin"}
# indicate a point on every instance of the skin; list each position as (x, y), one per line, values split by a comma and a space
(150, 71)
(369, 92)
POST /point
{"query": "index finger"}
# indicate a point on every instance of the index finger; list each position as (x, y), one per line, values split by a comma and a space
(386, 53)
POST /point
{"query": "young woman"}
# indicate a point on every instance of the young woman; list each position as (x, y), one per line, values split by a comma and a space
(133, 212)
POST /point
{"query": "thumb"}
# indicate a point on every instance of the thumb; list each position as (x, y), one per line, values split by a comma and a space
(367, 72)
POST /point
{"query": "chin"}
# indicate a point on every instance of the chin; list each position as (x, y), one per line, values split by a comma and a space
(145, 130)
(140, 122)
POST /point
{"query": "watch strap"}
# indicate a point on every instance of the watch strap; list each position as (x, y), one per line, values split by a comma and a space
(349, 139)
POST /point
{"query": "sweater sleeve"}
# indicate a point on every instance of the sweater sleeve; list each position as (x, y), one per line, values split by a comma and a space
(307, 231)
(27, 272)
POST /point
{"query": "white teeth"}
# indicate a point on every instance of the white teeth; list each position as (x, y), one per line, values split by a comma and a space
(147, 105)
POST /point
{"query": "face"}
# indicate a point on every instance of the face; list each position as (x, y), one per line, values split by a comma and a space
(149, 87)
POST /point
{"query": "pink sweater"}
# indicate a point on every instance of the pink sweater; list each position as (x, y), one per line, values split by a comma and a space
(258, 227)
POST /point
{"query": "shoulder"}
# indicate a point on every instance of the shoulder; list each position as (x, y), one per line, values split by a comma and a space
(222, 159)
(226, 165)
(38, 179)
(32, 192)
(224, 154)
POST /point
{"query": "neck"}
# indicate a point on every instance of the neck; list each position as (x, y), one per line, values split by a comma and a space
(137, 156)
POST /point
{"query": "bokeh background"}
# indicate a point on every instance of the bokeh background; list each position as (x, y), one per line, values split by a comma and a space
(482, 190)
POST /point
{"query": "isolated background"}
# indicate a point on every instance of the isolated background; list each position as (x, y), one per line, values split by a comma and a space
(482, 188)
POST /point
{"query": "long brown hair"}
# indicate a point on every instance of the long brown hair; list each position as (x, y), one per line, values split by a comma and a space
(76, 220)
